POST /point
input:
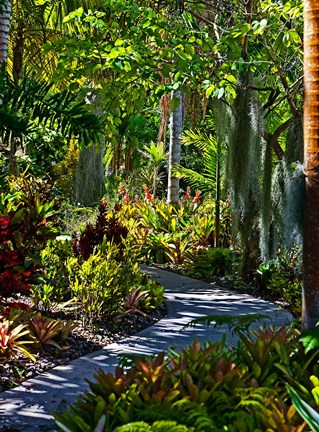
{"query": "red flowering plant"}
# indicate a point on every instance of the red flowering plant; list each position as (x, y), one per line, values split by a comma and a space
(24, 222)
(4, 227)
(197, 197)
(148, 195)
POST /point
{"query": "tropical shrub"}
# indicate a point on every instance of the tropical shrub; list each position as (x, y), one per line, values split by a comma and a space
(282, 277)
(204, 229)
(212, 262)
(54, 287)
(47, 331)
(65, 171)
(31, 186)
(21, 326)
(107, 226)
(14, 331)
(165, 233)
(24, 222)
(13, 340)
(16, 273)
(102, 285)
(205, 388)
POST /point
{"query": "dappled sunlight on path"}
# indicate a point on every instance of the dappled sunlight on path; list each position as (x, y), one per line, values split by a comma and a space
(26, 408)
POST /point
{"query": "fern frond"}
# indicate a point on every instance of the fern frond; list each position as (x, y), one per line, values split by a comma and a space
(134, 427)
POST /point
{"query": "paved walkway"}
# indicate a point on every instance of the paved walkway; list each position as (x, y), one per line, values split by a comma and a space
(26, 408)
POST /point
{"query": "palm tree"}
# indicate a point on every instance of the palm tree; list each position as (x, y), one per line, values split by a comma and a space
(310, 306)
(156, 154)
(211, 149)
(5, 12)
(176, 125)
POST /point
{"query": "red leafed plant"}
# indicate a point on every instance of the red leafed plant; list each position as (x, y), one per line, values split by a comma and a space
(24, 222)
(107, 225)
(16, 274)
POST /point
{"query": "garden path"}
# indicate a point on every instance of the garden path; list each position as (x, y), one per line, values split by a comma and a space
(27, 408)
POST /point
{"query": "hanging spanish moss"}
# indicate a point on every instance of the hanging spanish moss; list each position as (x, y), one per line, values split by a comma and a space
(90, 180)
(266, 212)
(278, 205)
(222, 117)
(294, 182)
(287, 192)
(243, 172)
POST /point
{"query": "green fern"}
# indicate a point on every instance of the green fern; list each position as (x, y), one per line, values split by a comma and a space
(183, 413)
(160, 426)
(134, 427)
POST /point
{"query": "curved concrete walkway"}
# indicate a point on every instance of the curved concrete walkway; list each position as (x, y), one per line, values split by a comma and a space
(26, 408)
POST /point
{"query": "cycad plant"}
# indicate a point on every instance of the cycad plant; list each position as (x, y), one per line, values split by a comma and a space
(156, 154)
(207, 147)
(208, 181)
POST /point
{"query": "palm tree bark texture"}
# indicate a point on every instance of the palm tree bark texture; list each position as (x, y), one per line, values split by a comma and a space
(176, 126)
(5, 12)
(310, 296)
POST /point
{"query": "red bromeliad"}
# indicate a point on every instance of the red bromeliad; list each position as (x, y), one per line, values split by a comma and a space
(188, 193)
(197, 196)
(4, 227)
(148, 195)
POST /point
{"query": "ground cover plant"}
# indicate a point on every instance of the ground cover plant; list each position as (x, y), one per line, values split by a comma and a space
(206, 388)
(91, 92)
(55, 292)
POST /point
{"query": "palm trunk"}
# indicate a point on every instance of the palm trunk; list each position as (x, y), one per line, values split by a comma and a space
(310, 297)
(218, 196)
(90, 180)
(176, 124)
(5, 13)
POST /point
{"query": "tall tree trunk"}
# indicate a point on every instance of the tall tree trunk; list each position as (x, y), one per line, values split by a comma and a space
(310, 297)
(90, 180)
(176, 125)
(5, 13)
(217, 197)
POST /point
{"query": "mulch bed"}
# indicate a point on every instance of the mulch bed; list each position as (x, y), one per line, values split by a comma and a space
(81, 341)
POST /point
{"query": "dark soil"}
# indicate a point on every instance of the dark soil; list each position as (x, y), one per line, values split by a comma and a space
(80, 342)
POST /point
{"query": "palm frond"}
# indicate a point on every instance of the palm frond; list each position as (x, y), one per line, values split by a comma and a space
(208, 146)
(201, 140)
(33, 102)
(205, 183)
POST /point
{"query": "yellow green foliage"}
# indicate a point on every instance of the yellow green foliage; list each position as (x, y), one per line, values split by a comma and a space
(65, 171)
